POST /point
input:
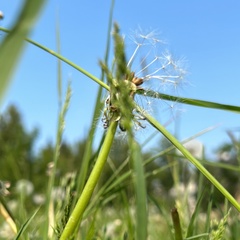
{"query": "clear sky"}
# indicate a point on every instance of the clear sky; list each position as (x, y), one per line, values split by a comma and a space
(206, 33)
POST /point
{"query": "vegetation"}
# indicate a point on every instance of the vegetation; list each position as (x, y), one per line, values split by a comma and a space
(115, 191)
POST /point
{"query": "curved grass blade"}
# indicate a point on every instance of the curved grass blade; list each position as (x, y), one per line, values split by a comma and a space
(191, 226)
(190, 101)
(194, 161)
(12, 45)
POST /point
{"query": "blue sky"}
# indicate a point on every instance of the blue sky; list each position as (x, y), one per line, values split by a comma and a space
(205, 33)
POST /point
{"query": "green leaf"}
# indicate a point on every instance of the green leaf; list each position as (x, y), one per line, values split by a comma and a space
(12, 46)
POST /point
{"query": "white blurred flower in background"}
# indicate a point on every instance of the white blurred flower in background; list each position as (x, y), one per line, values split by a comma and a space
(25, 187)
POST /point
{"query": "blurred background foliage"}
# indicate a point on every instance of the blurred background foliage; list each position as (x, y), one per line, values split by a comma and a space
(19, 160)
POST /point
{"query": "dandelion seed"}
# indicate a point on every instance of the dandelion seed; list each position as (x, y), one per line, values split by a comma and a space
(145, 65)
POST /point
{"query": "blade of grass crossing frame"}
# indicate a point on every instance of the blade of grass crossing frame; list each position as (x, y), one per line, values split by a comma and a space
(13, 43)
(190, 101)
(83, 201)
(140, 190)
(62, 58)
(194, 161)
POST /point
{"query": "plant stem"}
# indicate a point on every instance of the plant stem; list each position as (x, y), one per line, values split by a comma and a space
(76, 216)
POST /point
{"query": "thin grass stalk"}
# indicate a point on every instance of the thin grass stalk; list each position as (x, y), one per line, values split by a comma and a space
(76, 216)
(59, 56)
(61, 122)
(12, 45)
(190, 101)
(97, 111)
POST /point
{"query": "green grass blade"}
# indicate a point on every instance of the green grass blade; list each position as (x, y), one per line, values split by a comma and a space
(25, 225)
(190, 101)
(128, 215)
(12, 45)
(59, 65)
(59, 56)
(140, 189)
(194, 161)
(191, 226)
(92, 181)
(198, 237)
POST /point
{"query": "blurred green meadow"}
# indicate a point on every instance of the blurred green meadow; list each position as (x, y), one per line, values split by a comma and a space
(114, 191)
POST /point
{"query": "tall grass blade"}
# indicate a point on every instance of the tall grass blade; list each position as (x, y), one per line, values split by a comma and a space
(60, 128)
(127, 216)
(12, 45)
(140, 189)
(176, 224)
(76, 216)
(25, 225)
